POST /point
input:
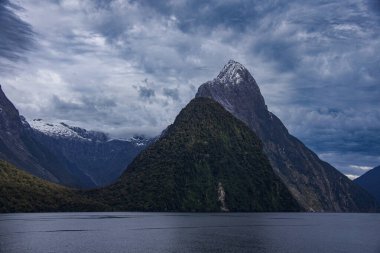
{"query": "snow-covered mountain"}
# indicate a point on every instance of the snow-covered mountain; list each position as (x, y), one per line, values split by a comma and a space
(97, 157)
(64, 131)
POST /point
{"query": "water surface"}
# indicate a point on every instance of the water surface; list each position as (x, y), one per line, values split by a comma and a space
(183, 232)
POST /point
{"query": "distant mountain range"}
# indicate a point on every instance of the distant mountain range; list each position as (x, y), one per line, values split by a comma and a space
(61, 153)
(224, 152)
(370, 181)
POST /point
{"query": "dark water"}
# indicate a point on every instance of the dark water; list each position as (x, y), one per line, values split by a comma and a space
(177, 232)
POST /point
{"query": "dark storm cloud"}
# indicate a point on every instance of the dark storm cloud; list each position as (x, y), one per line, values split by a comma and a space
(83, 107)
(16, 36)
(316, 62)
(194, 16)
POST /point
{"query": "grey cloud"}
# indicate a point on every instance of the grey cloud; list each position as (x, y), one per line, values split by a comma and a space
(202, 16)
(332, 100)
(86, 106)
(331, 129)
(145, 92)
(89, 103)
(98, 113)
(349, 163)
(318, 69)
(17, 36)
(172, 93)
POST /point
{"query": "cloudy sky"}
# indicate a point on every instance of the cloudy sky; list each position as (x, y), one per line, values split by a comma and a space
(128, 67)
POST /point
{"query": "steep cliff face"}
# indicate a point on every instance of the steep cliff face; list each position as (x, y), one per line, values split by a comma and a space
(314, 183)
(18, 147)
(207, 161)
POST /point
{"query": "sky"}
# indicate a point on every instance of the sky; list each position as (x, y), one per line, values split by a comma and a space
(128, 67)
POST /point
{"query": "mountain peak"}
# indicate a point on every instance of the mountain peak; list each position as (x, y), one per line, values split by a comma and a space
(198, 163)
(234, 73)
(307, 177)
(234, 82)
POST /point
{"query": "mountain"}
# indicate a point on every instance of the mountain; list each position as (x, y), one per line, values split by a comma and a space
(91, 153)
(207, 160)
(21, 149)
(22, 192)
(314, 183)
(370, 181)
(61, 153)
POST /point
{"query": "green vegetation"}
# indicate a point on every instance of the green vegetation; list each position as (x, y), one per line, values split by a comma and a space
(205, 147)
(206, 161)
(22, 192)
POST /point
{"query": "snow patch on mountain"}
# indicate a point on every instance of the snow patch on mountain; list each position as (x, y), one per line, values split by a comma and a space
(139, 140)
(62, 130)
(232, 73)
(55, 129)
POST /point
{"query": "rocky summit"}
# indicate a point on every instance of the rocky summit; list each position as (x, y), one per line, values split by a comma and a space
(314, 183)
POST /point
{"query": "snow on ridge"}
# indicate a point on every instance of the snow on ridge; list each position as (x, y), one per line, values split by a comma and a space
(136, 140)
(54, 129)
(62, 130)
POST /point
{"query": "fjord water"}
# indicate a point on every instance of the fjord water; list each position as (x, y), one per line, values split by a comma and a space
(189, 232)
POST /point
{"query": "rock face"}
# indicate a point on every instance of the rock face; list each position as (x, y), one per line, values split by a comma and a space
(314, 183)
(207, 160)
(370, 181)
(63, 154)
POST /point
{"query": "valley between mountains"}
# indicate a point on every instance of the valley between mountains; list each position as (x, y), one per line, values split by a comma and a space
(224, 152)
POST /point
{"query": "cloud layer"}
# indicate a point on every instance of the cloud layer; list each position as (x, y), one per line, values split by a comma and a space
(128, 67)
(16, 36)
